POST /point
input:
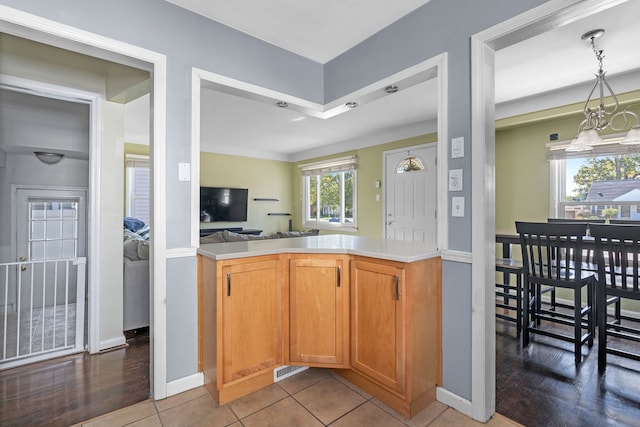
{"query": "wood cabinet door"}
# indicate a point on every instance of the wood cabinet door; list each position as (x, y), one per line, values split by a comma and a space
(318, 311)
(251, 326)
(378, 326)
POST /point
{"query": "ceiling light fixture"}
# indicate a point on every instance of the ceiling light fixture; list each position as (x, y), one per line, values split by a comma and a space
(600, 118)
(48, 158)
(391, 89)
(282, 104)
(351, 104)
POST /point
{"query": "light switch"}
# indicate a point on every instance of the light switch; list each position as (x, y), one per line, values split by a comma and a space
(457, 206)
(457, 147)
(184, 172)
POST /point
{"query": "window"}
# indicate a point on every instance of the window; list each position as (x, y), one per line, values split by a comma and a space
(138, 187)
(604, 184)
(329, 193)
(53, 229)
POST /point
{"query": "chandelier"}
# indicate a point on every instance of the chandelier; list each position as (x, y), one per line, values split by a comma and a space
(600, 117)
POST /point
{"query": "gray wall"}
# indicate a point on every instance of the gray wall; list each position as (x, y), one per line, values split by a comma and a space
(191, 41)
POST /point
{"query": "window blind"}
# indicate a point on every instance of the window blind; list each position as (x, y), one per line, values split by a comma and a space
(610, 146)
(137, 161)
(340, 164)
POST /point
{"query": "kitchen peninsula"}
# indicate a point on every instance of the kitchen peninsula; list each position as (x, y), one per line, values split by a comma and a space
(368, 308)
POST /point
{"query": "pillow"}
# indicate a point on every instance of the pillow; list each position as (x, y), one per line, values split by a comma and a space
(212, 238)
(127, 234)
(131, 249)
(285, 234)
(230, 236)
(143, 249)
(133, 224)
(144, 232)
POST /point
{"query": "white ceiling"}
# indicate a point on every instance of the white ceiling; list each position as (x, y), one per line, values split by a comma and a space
(530, 75)
(317, 30)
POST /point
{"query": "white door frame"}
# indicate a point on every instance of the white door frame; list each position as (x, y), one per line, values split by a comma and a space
(94, 101)
(21, 24)
(552, 14)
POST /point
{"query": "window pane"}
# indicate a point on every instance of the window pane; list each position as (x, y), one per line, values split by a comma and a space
(54, 210)
(330, 197)
(37, 251)
(603, 187)
(348, 196)
(37, 230)
(312, 191)
(69, 229)
(68, 248)
(37, 210)
(53, 249)
(70, 210)
(54, 230)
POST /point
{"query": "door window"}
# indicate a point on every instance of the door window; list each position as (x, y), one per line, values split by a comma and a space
(53, 229)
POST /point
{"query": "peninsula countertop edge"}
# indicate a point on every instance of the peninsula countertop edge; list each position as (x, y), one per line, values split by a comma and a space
(392, 250)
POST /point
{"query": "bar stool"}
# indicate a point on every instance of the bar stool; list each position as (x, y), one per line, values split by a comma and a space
(618, 257)
(552, 257)
(509, 296)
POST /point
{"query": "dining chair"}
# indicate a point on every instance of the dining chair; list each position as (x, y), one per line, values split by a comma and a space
(509, 294)
(618, 258)
(552, 257)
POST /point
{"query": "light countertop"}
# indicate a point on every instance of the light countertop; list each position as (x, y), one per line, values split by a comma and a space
(393, 250)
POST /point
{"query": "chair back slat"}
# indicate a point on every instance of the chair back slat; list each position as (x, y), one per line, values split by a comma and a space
(552, 252)
(618, 257)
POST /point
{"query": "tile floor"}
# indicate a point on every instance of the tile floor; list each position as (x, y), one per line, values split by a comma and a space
(315, 397)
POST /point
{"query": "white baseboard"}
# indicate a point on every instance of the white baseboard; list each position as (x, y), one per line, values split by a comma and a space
(186, 383)
(113, 342)
(453, 400)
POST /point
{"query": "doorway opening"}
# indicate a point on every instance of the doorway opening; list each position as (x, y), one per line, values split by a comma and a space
(14, 22)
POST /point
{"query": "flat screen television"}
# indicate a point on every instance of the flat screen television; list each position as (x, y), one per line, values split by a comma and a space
(223, 204)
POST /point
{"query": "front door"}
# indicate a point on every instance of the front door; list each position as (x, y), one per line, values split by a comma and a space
(410, 194)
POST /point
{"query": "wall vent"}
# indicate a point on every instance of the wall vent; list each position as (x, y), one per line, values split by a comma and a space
(286, 371)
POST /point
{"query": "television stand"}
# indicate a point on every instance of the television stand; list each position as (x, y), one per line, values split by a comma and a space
(207, 231)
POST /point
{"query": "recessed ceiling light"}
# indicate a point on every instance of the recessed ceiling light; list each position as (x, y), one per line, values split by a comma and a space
(391, 89)
(282, 104)
(351, 104)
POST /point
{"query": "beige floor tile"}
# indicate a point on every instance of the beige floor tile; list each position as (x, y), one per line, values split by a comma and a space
(304, 379)
(423, 418)
(368, 415)
(202, 411)
(124, 416)
(328, 400)
(453, 418)
(352, 386)
(286, 412)
(153, 421)
(501, 421)
(257, 400)
(178, 399)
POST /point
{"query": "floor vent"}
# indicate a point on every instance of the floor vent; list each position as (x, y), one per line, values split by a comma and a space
(286, 371)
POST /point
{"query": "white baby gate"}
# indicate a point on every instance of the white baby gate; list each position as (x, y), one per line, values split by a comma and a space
(41, 310)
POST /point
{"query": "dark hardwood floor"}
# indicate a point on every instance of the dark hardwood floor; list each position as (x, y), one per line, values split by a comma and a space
(73, 389)
(541, 386)
(536, 386)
